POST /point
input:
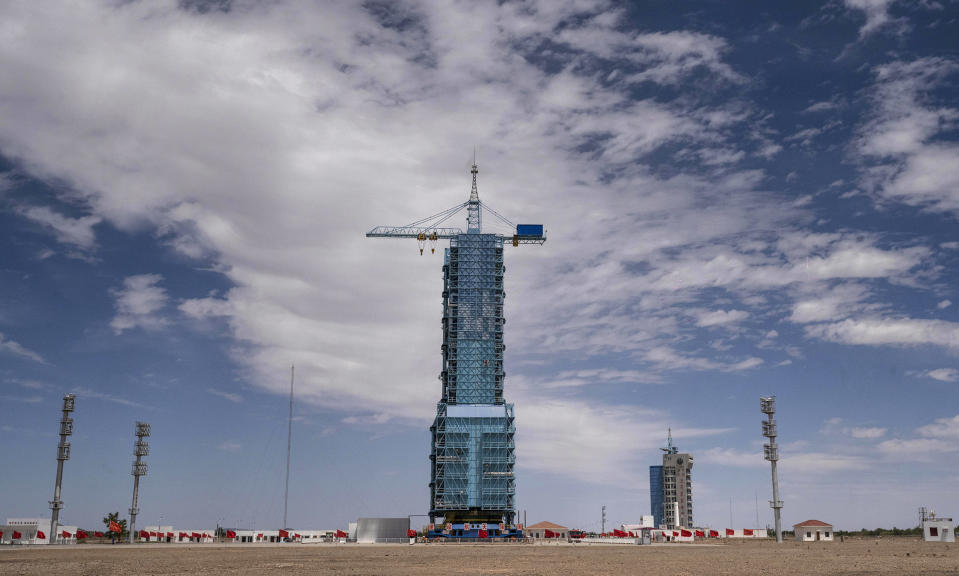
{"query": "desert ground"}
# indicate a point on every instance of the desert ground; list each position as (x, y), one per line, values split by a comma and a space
(855, 556)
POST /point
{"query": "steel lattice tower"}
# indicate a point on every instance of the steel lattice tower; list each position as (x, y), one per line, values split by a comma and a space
(472, 451)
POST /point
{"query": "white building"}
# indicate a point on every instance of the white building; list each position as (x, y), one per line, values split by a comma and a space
(812, 531)
(36, 531)
(937, 529)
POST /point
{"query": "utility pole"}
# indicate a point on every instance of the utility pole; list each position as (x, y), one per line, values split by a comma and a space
(767, 405)
(63, 454)
(289, 443)
(140, 448)
(604, 519)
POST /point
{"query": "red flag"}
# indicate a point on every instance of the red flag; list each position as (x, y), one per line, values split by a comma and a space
(259, 536)
(631, 535)
(675, 533)
(411, 533)
(483, 534)
(81, 535)
(713, 534)
(548, 533)
(184, 535)
(700, 534)
(747, 532)
(114, 527)
(144, 534)
(196, 535)
(341, 534)
(98, 534)
(169, 534)
(284, 534)
(686, 534)
(230, 534)
(41, 534)
(730, 532)
(619, 533)
(296, 536)
(65, 534)
(17, 535)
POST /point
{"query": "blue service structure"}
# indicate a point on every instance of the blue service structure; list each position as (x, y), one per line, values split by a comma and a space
(472, 483)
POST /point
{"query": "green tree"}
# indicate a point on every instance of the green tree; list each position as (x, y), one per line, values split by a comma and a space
(115, 517)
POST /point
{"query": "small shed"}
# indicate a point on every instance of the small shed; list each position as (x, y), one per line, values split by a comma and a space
(813, 531)
(937, 529)
(547, 530)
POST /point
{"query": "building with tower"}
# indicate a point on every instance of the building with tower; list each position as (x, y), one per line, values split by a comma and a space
(671, 488)
(472, 486)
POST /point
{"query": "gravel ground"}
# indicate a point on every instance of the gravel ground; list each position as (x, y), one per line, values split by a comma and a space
(899, 556)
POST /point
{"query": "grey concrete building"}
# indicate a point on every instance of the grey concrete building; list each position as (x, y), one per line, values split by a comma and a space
(677, 487)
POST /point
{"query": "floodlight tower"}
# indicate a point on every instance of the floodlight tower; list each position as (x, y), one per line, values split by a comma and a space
(63, 454)
(140, 449)
(771, 452)
(472, 453)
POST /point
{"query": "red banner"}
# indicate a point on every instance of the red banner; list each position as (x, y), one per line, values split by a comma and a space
(17, 535)
(747, 532)
(484, 534)
(230, 534)
(686, 534)
(730, 532)
(284, 534)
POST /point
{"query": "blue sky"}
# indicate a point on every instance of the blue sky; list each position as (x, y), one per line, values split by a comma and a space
(748, 200)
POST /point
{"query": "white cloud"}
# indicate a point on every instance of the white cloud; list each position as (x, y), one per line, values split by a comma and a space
(941, 428)
(13, 347)
(906, 162)
(889, 331)
(138, 303)
(230, 446)
(944, 304)
(876, 13)
(944, 374)
(75, 231)
(916, 448)
(232, 397)
(867, 433)
(206, 307)
(719, 317)
(797, 464)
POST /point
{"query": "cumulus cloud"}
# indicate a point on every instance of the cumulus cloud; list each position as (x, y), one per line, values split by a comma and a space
(139, 303)
(876, 13)
(867, 433)
(944, 374)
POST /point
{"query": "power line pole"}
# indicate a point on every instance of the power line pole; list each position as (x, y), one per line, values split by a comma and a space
(771, 452)
(63, 454)
(140, 448)
(289, 443)
(604, 519)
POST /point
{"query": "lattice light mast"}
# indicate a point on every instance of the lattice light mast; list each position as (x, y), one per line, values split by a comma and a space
(472, 454)
(63, 454)
(771, 452)
(140, 449)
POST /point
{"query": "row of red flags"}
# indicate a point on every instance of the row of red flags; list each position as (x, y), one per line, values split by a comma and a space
(676, 533)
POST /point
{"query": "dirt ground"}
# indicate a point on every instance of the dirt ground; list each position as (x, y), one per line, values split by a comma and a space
(870, 556)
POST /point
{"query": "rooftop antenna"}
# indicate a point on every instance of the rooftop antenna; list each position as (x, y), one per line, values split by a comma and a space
(63, 454)
(670, 449)
(289, 441)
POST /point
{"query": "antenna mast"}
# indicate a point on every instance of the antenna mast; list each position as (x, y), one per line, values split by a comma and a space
(771, 453)
(63, 454)
(289, 440)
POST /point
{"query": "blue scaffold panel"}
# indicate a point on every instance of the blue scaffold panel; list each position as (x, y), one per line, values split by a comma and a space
(529, 229)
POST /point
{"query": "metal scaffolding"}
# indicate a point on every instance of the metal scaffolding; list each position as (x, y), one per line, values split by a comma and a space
(472, 453)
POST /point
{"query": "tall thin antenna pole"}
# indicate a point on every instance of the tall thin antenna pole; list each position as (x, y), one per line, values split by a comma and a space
(771, 452)
(289, 442)
(63, 454)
